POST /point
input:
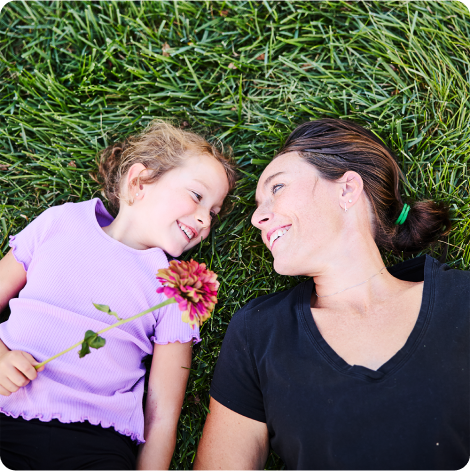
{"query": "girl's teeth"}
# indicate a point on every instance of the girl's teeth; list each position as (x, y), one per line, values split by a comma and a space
(186, 231)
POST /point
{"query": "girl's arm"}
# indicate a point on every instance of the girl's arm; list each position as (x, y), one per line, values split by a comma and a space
(167, 385)
(16, 367)
(12, 278)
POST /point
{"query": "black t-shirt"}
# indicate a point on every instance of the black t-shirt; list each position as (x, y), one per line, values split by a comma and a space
(322, 413)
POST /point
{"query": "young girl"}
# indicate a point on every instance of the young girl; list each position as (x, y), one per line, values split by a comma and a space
(164, 187)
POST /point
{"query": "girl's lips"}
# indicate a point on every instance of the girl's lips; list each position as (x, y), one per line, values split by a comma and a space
(184, 233)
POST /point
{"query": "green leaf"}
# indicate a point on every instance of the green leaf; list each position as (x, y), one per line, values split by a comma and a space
(98, 342)
(102, 307)
(89, 336)
(112, 313)
(85, 350)
(93, 340)
(107, 310)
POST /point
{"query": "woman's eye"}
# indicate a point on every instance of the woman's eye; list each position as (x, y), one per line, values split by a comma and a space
(213, 215)
(274, 188)
(198, 196)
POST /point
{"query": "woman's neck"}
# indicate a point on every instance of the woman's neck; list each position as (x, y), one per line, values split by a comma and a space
(354, 275)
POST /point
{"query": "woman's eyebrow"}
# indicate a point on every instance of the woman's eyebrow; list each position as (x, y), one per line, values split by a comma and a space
(266, 183)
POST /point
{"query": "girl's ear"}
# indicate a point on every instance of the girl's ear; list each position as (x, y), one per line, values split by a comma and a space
(351, 187)
(133, 185)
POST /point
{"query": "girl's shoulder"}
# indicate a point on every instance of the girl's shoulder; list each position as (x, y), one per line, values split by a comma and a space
(79, 210)
(67, 215)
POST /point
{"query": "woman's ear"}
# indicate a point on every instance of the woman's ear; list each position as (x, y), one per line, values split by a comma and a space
(351, 187)
(134, 187)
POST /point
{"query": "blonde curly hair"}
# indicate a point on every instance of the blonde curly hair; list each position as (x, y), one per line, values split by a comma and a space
(159, 148)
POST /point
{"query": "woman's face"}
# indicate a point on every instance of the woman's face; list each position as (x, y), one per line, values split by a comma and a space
(298, 214)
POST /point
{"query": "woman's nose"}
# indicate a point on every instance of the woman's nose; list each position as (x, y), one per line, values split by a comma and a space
(260, 217)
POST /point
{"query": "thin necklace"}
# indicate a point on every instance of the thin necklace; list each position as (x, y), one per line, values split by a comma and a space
(359, 284)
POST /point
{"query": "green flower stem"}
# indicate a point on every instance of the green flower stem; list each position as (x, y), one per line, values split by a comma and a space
(121, 322)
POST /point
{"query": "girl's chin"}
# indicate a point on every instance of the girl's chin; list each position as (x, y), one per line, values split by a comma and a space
(175, 253)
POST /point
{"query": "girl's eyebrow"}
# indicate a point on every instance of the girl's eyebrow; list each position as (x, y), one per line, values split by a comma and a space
(201, 182)
(266, 183)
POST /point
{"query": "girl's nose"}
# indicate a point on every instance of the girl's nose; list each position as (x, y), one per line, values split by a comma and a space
(204, 218)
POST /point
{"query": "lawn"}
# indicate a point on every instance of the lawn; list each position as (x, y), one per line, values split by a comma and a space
(75, 76)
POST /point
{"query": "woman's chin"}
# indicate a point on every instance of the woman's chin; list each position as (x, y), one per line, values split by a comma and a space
(283, 267)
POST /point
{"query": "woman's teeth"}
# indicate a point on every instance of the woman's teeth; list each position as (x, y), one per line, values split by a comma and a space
(276, 235)
(186, 230)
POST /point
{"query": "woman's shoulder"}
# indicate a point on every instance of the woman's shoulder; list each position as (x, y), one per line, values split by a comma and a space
(273, 304)
(416, 269)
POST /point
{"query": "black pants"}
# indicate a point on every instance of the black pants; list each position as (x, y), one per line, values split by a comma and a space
(32, 444)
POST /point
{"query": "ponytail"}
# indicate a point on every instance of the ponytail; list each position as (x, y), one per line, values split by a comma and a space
(427, 221)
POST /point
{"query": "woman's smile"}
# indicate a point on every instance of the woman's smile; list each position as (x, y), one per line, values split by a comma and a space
(275, 234)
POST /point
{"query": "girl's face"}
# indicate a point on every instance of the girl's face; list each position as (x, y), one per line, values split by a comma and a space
(298, 215)
(175, 212)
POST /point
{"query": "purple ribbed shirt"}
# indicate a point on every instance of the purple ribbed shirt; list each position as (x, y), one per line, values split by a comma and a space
(71, 263)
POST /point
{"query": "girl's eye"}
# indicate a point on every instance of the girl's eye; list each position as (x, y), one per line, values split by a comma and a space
(274, 188)
(198, 196)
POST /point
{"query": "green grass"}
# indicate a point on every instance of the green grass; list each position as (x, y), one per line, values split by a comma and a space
(77, 75)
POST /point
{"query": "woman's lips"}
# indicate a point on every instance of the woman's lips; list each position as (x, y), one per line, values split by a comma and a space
(275, 234)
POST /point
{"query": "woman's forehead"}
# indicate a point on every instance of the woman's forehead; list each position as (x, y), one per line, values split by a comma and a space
(290, 162)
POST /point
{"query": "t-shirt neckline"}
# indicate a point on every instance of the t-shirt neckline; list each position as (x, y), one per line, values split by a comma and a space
(397, 360)
(98, 206)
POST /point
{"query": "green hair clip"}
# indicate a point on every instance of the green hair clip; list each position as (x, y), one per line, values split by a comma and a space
(404, 213)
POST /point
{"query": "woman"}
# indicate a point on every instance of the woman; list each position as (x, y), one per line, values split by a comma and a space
(361, 366)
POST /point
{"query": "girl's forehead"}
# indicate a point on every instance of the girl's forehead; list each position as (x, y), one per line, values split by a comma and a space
(206, 170)
(201, 162)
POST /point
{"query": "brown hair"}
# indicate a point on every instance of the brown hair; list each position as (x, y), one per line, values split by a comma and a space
(335, 146)
(160, 147)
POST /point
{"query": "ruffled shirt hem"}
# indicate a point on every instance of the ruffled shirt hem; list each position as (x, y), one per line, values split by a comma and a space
(105, 424)
(194, 337)
(15, 255)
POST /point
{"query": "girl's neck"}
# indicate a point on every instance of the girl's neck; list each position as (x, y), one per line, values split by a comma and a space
(122, 230)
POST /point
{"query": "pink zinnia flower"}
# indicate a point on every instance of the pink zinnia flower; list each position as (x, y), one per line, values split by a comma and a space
(193, 286)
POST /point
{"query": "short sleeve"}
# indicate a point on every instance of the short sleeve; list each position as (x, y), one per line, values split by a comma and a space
(236, 383)
(26, 242)
(170, 327)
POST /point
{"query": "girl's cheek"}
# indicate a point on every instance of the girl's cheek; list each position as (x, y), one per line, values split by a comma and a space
(204, 234)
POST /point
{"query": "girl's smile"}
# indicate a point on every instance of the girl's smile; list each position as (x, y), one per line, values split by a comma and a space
(189, 232)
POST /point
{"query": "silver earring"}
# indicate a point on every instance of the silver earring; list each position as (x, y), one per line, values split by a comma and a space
(137, 194)
(350, 201)
(345, 207)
